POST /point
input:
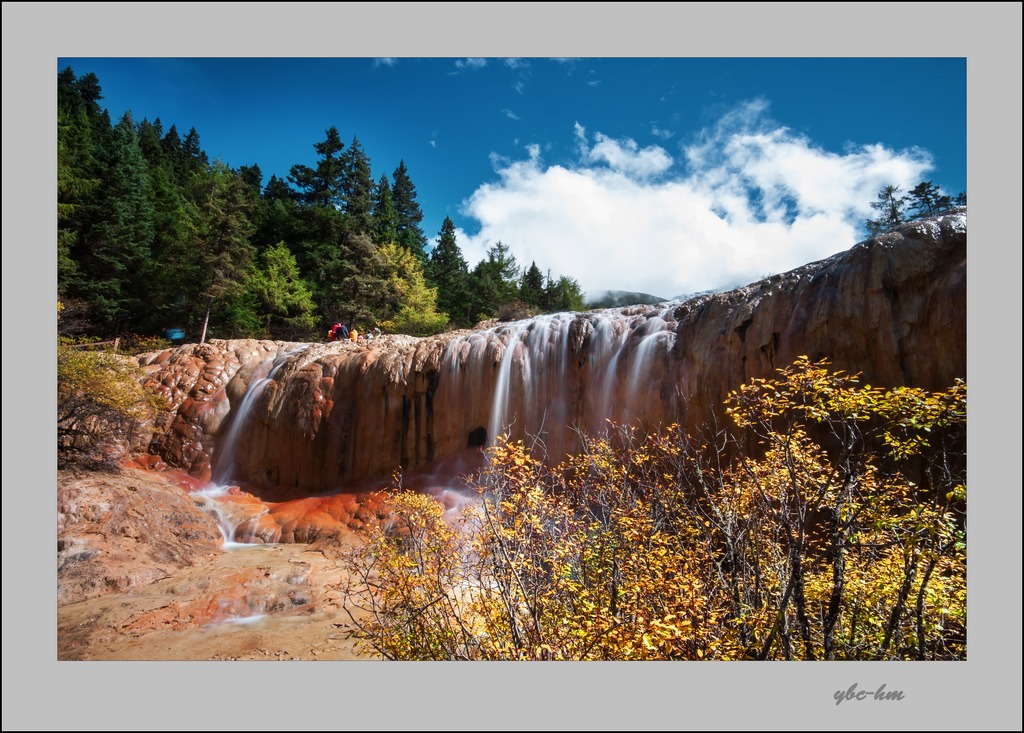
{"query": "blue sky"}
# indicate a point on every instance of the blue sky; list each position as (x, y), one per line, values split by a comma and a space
(665, 175)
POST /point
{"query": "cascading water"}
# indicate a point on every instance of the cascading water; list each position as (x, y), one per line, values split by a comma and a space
(345, 417)
(225, 467)
(554, 374)
(654, 342)
(501, 417)
(342, 418)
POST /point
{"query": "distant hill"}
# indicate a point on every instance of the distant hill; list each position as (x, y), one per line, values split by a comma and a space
(690, 296)
(620, 298)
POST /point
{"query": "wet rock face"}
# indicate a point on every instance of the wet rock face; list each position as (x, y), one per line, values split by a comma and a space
(200, 382)
(324, 415)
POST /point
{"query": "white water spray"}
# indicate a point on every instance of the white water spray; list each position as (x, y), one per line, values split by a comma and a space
(226, 465)
(535, 389)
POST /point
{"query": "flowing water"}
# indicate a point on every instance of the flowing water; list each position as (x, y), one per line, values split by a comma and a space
(225, 466)
(545, 380)
(553, 375)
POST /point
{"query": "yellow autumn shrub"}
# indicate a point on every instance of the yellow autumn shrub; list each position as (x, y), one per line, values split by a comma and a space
(828, 525)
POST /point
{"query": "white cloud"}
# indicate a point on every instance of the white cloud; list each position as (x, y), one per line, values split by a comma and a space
(470, 63)
(510, 114)
(519, 86)
(516, 63)
(624, 156)
(660, 133)
(384, 61)
(745, 198)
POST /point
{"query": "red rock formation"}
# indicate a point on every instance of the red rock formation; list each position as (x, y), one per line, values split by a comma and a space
(116, 533)
(893, 308)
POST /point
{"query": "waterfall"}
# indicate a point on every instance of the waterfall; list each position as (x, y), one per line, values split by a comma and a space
(225, 465)
(319, 418)
(344, 417)
(226, 459)
(547, 376)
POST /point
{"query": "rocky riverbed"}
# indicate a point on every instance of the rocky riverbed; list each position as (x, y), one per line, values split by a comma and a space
(142, 576)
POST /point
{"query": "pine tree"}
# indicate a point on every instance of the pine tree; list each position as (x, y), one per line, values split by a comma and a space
(925, 199)
(77, 183)
(494, 282)
(90, 92)
(890, 206)
(150, 142)
(447, 271)
(69, 99)
(253, 177)
(280, 219)
(173, 222)
(278, 190)
(79, 176)
(118, 246)
(316, 236)
(173, 151)
(564, 294)
(324, 184)
(484, 297)
(79, 94)
(408, 214)
(357, 188)
(502, 265)
(531, 288)
(195, 157)
(363, 289)
(384, 226)
(223, 255)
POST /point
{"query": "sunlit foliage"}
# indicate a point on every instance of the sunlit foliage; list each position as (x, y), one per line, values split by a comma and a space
(101, 405)
(830, 524)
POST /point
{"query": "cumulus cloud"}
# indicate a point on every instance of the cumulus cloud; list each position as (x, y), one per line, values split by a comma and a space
(624, 156)
(516, 63)
(384, 61)
(510, 114)
(744, 198)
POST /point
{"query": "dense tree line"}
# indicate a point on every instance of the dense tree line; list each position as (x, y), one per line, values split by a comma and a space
(497, 286)
(152, 234)
(895, 208)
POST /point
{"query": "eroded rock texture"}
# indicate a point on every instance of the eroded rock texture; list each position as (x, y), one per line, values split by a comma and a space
(119, 533)
(295, 420)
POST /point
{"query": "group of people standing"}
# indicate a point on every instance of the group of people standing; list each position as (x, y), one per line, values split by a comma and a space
(341, 332)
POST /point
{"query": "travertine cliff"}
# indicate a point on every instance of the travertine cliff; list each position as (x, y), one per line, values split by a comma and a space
(293, 420)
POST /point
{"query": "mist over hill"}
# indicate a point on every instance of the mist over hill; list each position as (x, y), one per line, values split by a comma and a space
(620, 298)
